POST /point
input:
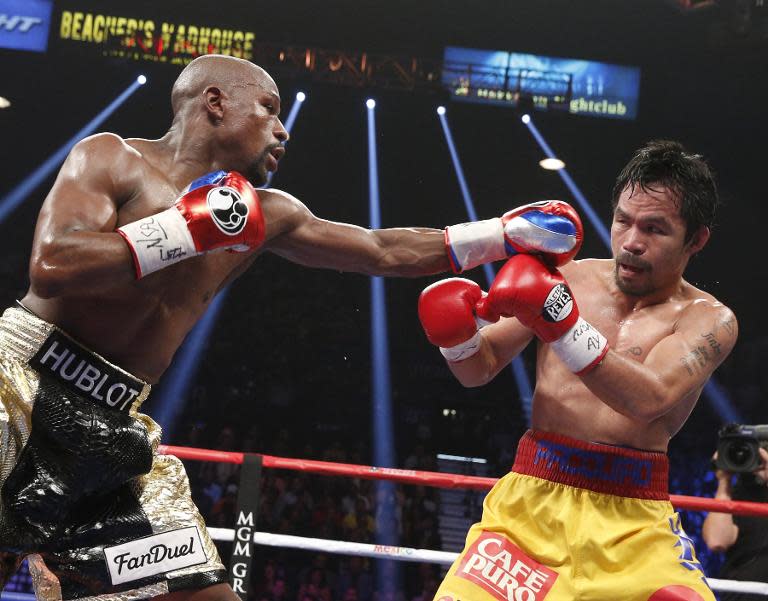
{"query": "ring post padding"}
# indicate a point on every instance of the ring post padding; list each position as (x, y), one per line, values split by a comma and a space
(246, 512)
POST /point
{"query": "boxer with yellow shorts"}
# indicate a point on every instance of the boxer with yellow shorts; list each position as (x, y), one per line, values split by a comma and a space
(609, 503)
(585, 514)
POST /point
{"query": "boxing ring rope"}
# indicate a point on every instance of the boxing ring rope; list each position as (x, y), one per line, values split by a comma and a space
(413, 477)
(324, 545)
(436, 479)
(423, 478)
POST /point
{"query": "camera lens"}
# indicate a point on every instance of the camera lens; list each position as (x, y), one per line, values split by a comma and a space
(740, 454)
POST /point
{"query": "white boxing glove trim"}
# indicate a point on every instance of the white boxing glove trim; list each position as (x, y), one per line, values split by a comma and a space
(581, 347)
(158, 241)
(475, 243)
(463, 350)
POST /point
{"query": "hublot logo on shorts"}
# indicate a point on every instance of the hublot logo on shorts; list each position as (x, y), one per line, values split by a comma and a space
(559, 303)
(84, 373)
(155, 554)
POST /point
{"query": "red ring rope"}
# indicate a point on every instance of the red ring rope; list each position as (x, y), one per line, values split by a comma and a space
(437, 479)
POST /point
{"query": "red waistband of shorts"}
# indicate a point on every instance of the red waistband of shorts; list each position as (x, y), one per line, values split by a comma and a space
(599, 467)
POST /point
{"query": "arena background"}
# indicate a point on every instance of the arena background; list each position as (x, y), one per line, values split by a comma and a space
(287, 369)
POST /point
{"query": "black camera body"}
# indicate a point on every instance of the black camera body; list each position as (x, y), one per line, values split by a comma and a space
(737, 447)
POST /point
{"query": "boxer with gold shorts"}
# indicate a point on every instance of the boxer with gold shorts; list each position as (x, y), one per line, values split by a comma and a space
(83, 487)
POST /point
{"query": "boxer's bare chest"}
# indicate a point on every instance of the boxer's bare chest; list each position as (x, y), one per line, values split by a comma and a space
(140, 325)
(562, 402)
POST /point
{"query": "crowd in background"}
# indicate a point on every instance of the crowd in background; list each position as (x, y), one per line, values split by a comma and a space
(346, 509)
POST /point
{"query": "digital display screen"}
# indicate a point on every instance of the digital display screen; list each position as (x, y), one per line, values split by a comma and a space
(145, 35)
(580, 87)
(24, 24)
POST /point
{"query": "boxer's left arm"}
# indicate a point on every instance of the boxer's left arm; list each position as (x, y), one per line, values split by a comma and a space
(551, 228)
(294, 233)
(676, 368)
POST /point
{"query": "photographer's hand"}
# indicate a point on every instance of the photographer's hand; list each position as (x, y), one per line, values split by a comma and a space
(762, 472)
(724, 481)
(719, 531)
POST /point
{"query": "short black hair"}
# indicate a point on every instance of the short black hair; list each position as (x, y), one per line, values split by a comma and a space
(666, 163)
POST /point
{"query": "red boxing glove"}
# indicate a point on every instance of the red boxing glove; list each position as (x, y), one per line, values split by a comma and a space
(551, 228)
(218, 211)
(447, 314)
(539, 297)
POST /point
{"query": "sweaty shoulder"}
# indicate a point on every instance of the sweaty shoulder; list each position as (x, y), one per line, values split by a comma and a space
(104, 148)
(704, 308)
(107, 159)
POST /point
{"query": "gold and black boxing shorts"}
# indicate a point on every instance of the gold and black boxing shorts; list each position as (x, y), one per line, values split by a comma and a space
(83, 492)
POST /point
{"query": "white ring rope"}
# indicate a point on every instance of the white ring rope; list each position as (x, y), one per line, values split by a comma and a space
(424, 555)
(399, 553)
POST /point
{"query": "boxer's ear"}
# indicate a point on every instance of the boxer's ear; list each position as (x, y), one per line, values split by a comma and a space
(212, 96)
(698, 240)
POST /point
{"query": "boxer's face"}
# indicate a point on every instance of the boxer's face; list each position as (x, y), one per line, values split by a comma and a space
(648, 240)
(258, 133)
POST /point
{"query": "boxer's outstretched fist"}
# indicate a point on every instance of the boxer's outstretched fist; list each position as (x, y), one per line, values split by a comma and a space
(551, 229)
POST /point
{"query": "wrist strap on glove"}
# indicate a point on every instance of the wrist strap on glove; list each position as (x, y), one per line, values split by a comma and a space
(581, 348)
(475, 243)
(158, 241)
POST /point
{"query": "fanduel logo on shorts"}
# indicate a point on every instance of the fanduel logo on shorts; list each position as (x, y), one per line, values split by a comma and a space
(84, 373)
(24, 24)
(155, 554)
(500, 568)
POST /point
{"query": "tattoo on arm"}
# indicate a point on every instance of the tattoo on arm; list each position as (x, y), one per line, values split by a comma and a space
(713, 343)
(696, 360)
(635, 350)
(710, 347)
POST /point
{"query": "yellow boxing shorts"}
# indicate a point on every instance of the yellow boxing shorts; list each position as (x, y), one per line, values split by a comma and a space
(578, 521)
(84, 493)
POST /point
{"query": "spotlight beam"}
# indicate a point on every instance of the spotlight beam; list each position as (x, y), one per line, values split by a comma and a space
(29, 184)
(381, 415)
(717, 396)
(584, 204)
(523, 383)
(384, 455)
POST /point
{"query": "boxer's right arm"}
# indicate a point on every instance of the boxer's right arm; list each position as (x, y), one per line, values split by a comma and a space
(500, 343)
(75, 246)
(448, 313)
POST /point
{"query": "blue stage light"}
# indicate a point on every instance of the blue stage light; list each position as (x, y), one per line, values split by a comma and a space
(23, 189)
(523, 383)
